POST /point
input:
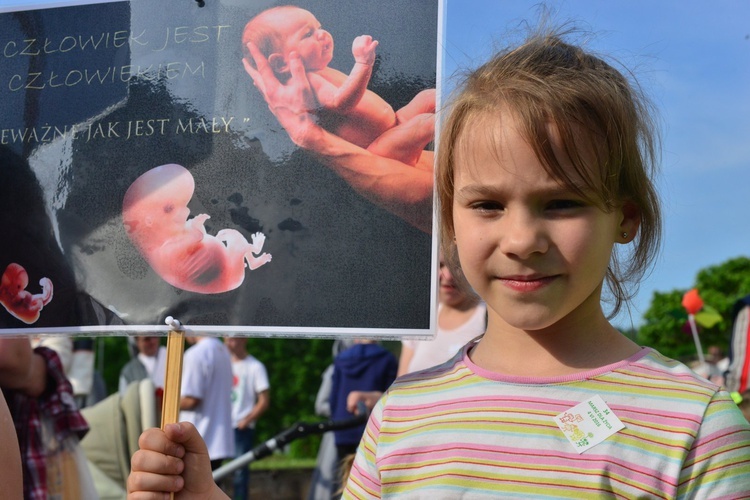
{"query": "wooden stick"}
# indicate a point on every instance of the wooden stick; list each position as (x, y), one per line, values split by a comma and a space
(170, 410)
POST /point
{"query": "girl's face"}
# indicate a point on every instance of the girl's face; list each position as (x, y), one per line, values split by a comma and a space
(535, 251)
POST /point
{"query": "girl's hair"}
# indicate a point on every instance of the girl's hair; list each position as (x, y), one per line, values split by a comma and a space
(345, 469)
(594, 109)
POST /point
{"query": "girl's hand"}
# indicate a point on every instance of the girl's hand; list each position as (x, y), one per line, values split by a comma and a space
(174, 460)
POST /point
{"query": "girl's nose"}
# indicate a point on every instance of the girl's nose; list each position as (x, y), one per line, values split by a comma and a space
(522, 235)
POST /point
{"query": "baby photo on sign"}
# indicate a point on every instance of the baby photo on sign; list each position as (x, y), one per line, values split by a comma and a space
(245, 167)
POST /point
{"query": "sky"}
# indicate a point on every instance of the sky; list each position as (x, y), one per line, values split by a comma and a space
(693, 59)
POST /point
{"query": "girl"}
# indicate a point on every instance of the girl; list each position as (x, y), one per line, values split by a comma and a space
(544, 174)
(544, 171)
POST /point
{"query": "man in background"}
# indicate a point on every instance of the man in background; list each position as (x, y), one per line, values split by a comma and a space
(206, 392)
(250, 399)
(149, 361)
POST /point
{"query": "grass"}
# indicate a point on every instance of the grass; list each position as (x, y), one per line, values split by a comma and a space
(279, 461)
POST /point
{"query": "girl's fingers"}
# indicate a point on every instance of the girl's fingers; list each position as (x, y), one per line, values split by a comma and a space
(154, 472)
(186, 434)
(149, 485)
(156, 463)
(155, 440)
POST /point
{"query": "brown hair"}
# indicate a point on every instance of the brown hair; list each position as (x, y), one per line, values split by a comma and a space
(344, 471)
(593, 107)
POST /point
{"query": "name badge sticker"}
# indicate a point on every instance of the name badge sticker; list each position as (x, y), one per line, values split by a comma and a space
(588, 424)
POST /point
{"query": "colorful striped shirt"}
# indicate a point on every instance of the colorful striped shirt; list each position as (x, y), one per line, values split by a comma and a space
(458, 431)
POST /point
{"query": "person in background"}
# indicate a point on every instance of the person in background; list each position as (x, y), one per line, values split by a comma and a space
(36, 390)
(206, 395)
(324, 476)
(718, 364)
(77, 359)
(744, 404)
(11, 473)
(88, 384)
(149, 361)
(365, 366)
(461, 318)
(251, 397)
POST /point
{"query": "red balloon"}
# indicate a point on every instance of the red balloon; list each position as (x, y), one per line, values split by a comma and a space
(692, 302)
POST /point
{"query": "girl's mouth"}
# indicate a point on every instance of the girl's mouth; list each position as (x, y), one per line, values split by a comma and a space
(530, 283)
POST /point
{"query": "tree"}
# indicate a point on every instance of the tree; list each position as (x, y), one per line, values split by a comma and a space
(720, 287)
(294, 370)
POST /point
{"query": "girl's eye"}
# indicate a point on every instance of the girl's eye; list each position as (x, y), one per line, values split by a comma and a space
(564, 204)
(486, 206)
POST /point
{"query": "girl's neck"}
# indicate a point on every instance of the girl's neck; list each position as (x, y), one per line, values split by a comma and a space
(559, 350)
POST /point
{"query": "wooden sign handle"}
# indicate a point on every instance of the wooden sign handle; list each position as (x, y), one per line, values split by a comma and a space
(170, 410)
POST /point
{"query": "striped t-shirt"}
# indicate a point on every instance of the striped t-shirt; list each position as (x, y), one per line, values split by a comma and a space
(458, 431)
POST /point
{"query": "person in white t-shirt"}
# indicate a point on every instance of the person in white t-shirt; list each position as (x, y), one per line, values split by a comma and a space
(206, 393)
(250, 399)
(462, 316)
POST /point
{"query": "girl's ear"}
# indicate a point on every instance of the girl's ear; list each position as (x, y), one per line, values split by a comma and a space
(630, 222)
(278, 63)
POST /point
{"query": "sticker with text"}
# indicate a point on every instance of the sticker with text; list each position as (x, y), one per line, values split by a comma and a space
(588, 424)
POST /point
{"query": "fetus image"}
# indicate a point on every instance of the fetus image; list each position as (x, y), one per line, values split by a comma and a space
(22, 304)
(157, 220)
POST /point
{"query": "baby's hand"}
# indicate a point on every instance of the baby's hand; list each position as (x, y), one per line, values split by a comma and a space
(363, 49)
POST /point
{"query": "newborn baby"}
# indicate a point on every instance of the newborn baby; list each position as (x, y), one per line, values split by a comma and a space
(156, 218)
(16, 300)
(347, 107)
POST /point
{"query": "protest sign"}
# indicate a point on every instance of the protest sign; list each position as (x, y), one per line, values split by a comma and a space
(173, 185)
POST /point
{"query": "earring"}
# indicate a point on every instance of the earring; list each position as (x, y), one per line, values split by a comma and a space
(624, 235)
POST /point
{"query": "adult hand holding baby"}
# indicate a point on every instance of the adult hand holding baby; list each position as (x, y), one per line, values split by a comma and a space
(291, 103)
(393, 185)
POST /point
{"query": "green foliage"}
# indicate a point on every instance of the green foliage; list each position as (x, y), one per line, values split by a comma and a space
(111, 355)
(720, 287)
(294, 370)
